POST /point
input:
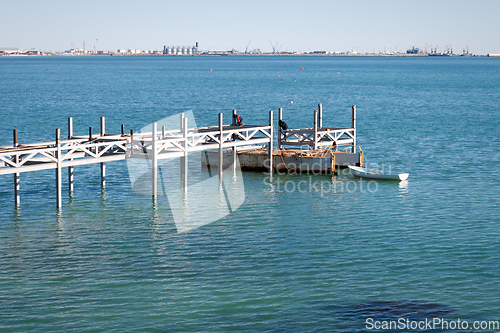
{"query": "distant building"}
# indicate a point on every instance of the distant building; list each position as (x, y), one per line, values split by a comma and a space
(10, 50)
(14, 51)
(413, 50)
(172, 50)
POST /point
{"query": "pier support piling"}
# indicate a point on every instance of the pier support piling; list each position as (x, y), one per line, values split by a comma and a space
(131, 141)
(70, 127)
(185, 160)
(17, 175)
(15, 138)
(353, 126)
(315, 130)
(280, 119)
(320, 116)
(270, 147)
(103, 165)
(154, 164)
(17, 189)
(58, 169)
(103, 174)
(71, 178)
(235, 155)
(181, 159)
(103, 126)
(70, 168)
(221, 150)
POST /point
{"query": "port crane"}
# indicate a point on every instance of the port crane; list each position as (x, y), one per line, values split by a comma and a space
(275, 47)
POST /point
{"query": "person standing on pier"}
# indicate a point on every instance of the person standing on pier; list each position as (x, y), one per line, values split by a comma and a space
(239, 120)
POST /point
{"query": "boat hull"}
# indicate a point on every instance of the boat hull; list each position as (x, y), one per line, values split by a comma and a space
(364, 173)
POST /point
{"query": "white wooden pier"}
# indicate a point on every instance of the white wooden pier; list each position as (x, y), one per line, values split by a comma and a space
(162, 144)
(102, 148)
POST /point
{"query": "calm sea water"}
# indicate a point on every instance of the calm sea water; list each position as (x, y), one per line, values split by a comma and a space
(286, 260)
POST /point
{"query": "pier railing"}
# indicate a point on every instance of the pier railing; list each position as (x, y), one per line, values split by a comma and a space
(155, 145)
(197, 139)
(317, 136)
(162, 144)
(63, 153)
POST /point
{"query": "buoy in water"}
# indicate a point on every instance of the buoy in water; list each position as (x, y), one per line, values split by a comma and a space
(210, 69)
(291, 102)
(278, 75)
(301, 67)
(338, 73)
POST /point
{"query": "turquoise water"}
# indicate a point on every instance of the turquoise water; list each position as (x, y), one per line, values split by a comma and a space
(286, 260)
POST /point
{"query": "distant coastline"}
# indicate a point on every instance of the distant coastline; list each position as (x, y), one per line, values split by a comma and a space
(193, 51)
(55, 54)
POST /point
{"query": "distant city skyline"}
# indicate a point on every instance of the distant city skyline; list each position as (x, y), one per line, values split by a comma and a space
(334, 26)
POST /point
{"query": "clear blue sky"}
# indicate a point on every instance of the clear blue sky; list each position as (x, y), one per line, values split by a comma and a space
(362, 25)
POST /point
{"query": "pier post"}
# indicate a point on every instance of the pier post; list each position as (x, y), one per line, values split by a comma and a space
(221, 151)
(103, 165)
(70, 168)
(154, 164)
(185, 162)
(353, 126)
(103, 126)
(181, 159)
(235, 155)
(270, 147)
(123, 130)
(103, 174)
(17, 175)
(320, 116)
(131, 141)
(280, 118)
(58, 169)
(70, 127)
(315, 129)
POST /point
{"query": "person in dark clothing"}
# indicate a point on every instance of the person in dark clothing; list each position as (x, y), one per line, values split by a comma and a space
(283, 126)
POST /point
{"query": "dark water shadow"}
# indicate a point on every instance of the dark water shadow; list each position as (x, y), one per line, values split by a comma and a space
(395, 309)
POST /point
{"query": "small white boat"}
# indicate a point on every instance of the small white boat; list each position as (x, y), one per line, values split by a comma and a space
(365, 173)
